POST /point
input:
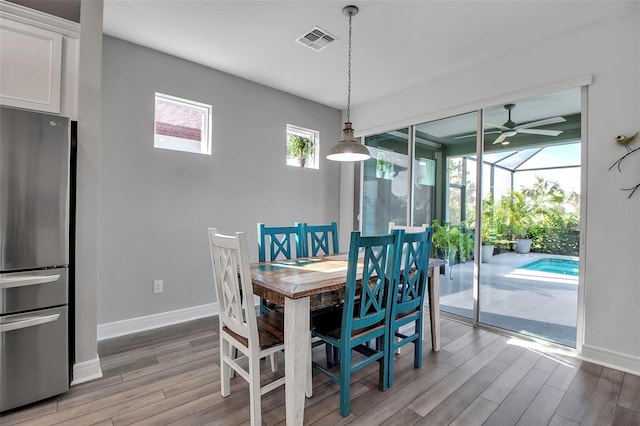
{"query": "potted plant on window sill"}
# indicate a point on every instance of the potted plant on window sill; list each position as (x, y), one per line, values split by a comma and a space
(388, 171)
(301, 148)
(384, 169)
(380, 167)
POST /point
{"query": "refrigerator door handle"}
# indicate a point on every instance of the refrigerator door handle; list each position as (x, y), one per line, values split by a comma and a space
(29, 322)
(24, 280)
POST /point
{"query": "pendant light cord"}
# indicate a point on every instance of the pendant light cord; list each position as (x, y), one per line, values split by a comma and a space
(348, 147)
(349, 73)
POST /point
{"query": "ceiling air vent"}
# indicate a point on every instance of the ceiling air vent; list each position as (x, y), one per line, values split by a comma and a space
(316, 39)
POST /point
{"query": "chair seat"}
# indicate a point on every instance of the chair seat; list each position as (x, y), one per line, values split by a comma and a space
(330, 324)
(401, 315)
(270, 330)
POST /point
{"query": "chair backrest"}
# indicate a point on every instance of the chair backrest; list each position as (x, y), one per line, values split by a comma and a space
(280, 241)
(232, 278)
(320, 240)
(407, 229)
(380, 255)
(415, 266)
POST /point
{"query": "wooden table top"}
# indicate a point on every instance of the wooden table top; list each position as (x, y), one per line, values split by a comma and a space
(307, 276)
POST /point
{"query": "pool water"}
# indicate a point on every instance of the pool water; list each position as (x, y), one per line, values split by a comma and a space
(554, 266)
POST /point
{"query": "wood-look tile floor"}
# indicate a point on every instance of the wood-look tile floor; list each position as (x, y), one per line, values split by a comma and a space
(171, 376)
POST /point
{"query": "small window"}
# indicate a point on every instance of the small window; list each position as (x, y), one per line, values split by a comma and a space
(302, 147)
(182, 125)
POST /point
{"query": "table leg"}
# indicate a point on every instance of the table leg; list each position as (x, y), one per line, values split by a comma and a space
(297, 345)
(434, 307)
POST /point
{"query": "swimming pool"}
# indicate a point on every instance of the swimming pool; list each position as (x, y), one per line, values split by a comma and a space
(553, 266)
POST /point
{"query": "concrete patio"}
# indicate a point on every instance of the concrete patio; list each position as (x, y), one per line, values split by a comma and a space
(534, 303)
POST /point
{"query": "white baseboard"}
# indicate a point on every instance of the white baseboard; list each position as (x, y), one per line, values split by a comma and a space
(612, 359)
(149, 322)
(86, 370)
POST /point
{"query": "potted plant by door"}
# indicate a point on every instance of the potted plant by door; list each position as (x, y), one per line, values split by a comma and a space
(444, 240)
(491, 228)
(300, 147)
(489, 239)
(450, 240)
(522, 245)
(518, 219)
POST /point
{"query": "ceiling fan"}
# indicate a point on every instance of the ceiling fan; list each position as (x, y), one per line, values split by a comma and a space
(510, 128)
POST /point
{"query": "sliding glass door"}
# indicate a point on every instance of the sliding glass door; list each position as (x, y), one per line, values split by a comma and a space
(505, 212)
(528, 283)
(385, 186)
(456, 185)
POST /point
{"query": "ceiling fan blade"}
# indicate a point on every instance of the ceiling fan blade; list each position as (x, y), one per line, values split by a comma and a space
(545, 122)
(540, 132)
(474, 135)
(465, 136)
(499, 139)
(497, 126)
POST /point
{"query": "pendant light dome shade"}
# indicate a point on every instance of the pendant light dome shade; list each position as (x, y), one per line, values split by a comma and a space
(348, 148)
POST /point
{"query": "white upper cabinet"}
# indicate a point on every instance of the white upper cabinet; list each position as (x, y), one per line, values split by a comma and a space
(38, 61)
(30, 67)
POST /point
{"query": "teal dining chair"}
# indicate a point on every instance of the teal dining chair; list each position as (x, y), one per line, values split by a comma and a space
(278, 242)
(320, 240)
(365, 313)
(407, 304)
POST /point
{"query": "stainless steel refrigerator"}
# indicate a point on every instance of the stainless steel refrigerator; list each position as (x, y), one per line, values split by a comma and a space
(34, 256)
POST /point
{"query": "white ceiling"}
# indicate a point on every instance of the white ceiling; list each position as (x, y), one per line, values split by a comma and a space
(396, 44)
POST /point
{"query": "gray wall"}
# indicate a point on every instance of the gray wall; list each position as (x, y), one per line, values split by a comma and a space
(156, 205)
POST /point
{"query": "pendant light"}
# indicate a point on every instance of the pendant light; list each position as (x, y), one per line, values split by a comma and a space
(348, 148)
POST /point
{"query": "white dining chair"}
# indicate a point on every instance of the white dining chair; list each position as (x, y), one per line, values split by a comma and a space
(243, 334)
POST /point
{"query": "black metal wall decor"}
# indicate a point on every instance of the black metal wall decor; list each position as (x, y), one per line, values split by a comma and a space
(625, 141)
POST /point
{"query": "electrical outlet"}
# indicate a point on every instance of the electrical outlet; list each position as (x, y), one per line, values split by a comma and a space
(158, 286)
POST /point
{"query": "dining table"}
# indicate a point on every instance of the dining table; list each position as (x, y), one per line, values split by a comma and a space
(303, 284)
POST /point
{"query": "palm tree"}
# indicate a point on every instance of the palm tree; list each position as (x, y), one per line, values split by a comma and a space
(545, 192)
(555, 216)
